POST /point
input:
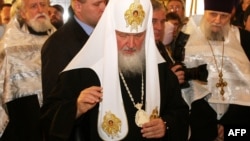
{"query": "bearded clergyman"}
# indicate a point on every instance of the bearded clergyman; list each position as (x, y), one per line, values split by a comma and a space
(224, 100)
(118, 87)
(20, 70)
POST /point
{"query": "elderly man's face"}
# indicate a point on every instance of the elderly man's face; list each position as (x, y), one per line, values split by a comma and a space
(130, 43)
(131, 52)
(32, 8)
(216, 20)
(35, 14)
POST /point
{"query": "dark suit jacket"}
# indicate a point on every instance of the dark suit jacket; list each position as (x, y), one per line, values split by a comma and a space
(59, 109)
(245, 41)
(164, 54)
(58, 51)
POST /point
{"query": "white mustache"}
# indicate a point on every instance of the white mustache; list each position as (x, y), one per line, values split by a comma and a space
(129, 49)
(41, 14)
(218, 25)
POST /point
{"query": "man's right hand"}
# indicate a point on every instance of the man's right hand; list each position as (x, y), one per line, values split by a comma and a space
(87, 99)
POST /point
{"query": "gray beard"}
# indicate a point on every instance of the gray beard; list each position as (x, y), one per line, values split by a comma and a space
(132, 65)
(214, 36)
(40, 26)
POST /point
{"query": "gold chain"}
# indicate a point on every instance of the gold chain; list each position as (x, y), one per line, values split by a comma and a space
(221, 84)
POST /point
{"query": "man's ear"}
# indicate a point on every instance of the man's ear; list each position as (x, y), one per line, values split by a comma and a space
(76, 5)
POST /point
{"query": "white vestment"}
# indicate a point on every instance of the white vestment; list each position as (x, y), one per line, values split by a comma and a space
(236, 68)
(101, 56)
(20, 66)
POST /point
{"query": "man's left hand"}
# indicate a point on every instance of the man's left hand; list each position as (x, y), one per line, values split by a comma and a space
(155, 128)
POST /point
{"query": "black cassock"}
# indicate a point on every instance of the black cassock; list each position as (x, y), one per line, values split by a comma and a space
(59, 110)
(23, 123)
(245, 41)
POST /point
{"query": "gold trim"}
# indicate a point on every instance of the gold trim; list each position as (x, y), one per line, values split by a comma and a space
(134, 16)
(111, 125)
(155, 113)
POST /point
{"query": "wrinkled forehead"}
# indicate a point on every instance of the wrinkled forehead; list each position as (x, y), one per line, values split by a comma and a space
(216, 13)
(32, 2)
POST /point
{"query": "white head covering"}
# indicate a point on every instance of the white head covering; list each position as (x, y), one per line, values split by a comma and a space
(100, 54)
(134, 15)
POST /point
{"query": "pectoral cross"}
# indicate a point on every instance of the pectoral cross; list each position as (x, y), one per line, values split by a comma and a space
(221, 84)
